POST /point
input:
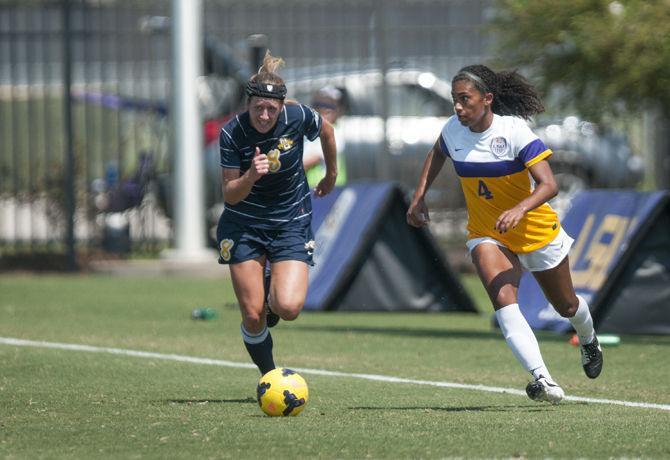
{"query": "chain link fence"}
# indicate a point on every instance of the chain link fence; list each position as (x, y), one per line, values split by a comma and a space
(85, 161)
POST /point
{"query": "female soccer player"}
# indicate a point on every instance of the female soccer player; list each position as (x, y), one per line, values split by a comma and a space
(268, 210)
(510, 227)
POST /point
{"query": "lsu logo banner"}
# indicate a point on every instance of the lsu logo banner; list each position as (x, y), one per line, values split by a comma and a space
(604, 224)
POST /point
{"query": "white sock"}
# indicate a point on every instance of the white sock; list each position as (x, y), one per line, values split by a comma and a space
(253, 339)
(583, 323)
(521, 339)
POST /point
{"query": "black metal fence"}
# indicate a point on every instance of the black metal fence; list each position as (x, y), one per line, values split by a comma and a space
(84, 89)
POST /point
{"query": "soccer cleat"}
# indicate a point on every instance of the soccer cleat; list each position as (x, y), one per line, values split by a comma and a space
(271, 318)
(592, 358)
(543, 389)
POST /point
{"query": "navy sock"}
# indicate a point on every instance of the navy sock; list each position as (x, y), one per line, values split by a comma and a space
(259, 347)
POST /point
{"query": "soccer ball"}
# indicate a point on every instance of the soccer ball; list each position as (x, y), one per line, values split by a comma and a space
(282, 392)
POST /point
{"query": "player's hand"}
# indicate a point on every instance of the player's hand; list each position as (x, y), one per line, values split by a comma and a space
(509, 219)
(260, 165)
(325, 186)
(417, 214)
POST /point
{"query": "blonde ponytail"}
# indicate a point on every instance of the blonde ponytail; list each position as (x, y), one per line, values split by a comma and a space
(267, 83)
(271, 64)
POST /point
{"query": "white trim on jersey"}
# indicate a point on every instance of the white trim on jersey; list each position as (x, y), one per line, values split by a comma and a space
(302, 216)
(267, 218)
(316, 119)
(303, 112)
(299, 161)
(239, 123)
(306, 195)
(231, 138)
(255, 217)
(292, 190)
(253, 204)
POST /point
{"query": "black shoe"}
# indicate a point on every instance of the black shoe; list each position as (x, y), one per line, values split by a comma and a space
(592, 359)
(271, 318)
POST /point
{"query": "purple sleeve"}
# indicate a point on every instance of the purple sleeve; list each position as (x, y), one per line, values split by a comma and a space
(532, 150)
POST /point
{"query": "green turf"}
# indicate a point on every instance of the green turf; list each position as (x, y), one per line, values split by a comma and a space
(74, 404)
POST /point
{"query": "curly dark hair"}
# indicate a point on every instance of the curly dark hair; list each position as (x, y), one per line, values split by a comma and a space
(512, 93)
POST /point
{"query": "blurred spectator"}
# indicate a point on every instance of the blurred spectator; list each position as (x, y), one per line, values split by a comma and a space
(328, 101)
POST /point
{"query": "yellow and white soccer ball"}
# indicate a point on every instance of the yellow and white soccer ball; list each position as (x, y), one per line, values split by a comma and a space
(282, 392)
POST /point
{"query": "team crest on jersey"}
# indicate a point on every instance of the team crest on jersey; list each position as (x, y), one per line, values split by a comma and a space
(285, 143)
(499, 146)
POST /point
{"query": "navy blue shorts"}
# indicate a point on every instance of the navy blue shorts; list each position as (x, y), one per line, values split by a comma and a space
(239, 243)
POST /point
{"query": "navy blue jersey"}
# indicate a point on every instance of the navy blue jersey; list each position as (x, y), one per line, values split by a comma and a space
(281, 197)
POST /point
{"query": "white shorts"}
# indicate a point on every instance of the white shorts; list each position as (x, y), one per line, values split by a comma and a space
(538, 260)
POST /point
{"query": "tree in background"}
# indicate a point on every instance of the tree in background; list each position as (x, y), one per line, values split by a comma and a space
(605, 58)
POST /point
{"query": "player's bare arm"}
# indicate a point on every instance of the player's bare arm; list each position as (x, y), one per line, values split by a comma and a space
(417, 214)
(327, 136)
(311, 160)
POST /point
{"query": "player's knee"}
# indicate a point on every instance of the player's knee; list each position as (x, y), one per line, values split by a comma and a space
(567, 308)
(288, 310)
(291, 315)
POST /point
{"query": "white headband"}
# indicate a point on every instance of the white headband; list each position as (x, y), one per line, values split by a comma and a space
(474, 78)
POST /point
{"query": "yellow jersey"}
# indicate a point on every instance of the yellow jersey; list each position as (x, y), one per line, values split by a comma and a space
(493, 170)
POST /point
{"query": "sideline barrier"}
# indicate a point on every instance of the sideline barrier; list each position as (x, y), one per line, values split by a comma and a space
(620, 264)
(369, 259)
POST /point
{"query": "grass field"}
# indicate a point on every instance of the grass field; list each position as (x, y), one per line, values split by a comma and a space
(93, 403)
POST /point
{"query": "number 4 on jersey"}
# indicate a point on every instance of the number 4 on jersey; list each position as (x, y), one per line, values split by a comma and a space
(484, 191)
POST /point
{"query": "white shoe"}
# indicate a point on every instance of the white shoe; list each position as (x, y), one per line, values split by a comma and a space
(543, 389)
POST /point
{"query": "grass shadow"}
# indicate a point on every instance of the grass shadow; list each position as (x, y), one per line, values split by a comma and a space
(420, 332)
(509, 408)
(213, 401)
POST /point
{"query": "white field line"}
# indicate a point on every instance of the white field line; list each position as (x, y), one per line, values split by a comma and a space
(373, 377)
